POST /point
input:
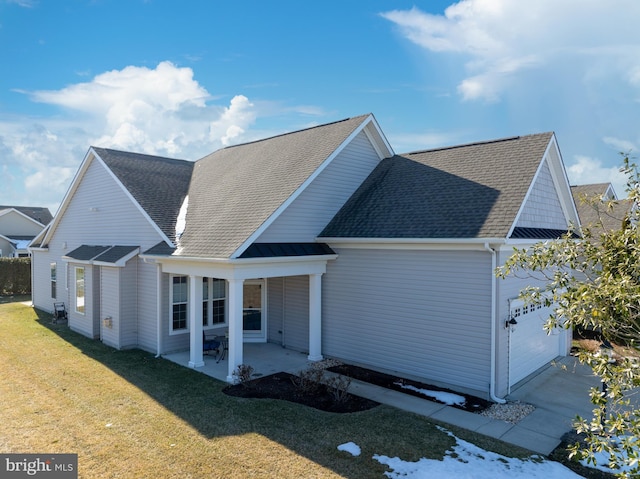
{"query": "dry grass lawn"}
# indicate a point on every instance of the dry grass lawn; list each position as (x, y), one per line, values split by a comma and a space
(129, 415)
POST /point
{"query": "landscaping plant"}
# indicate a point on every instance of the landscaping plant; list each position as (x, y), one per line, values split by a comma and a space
(591, 278)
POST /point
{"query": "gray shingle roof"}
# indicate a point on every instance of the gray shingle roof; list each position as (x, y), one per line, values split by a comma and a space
(40, 214)
(158, 184)
(236, 189)
(592, 212)
(105, 254)
(468, 191)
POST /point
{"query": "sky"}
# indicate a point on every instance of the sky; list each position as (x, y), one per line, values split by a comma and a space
(183, 79)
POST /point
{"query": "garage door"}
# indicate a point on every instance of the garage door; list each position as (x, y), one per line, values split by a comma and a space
(530, 347)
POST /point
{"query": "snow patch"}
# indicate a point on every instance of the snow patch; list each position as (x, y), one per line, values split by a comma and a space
(449, 399)
(181, 221)
(350, 447)
(466, 460)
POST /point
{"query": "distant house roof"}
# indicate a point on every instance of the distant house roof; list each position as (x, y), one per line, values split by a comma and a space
(467, 191)
(39, 214)
(158, 184)
(592, 203)
(236, 189)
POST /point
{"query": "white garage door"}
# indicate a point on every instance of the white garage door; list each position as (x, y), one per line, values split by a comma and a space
(530, 346)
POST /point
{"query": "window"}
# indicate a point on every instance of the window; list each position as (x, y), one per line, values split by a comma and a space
(214, 298)
(80, 296)
(53, 280)
(179, 304)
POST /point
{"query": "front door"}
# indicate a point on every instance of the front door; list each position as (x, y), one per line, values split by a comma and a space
(254, 311)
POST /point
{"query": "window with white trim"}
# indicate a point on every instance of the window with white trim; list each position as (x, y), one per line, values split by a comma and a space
(80, 289)
(179, 303)
(54, 281)
(214, 299)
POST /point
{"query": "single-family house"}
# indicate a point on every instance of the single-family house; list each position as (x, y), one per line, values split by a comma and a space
(322, 240)
(18, 226)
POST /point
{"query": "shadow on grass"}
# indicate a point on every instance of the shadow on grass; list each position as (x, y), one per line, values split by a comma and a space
(198, 400)
(14, 298)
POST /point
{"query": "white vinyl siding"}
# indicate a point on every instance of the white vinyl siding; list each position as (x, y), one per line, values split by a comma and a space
(14, 223)
(542, 208)
(419, 313)
(310, 212)
(288, 312)
(111, 308)
(99, 213)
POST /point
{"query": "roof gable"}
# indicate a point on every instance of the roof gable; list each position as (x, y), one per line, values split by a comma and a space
(237, 190)
(156, 185)
(468, 191)
(35, 213)
(159, 185)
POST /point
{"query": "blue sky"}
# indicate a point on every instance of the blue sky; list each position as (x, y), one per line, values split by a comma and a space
(182, 79)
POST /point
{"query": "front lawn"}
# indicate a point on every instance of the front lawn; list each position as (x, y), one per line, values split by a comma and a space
(127, 414)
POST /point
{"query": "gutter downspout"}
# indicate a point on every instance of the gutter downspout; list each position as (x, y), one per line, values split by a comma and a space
(158, 310)
(492, 380)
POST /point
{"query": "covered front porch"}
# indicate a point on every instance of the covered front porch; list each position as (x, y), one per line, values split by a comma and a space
(265, 358)
(238, 273)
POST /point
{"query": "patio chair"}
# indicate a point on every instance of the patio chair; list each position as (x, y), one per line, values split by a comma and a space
(210, 345)
(59, 312)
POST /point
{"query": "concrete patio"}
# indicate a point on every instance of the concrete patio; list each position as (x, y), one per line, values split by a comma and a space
(265, 358)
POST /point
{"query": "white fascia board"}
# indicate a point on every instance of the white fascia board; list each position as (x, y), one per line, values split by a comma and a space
(561, 181)
(38, 238)
(413, 243)
(379, 140)
(245, 268)
(256, 234)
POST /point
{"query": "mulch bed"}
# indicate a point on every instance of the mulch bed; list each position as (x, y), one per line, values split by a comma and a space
(471, 404)
(280, 386)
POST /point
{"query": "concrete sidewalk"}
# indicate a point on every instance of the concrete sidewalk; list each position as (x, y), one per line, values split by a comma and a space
(560, 393)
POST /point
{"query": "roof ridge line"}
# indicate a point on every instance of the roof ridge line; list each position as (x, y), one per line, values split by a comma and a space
(295, 131)
(475, 143)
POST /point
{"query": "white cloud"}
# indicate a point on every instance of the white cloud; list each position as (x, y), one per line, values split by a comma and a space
(584, 171)
(622, 145)
(501, 39)
(162, 111)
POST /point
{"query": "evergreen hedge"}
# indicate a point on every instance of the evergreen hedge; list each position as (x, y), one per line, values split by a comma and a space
(15, 276)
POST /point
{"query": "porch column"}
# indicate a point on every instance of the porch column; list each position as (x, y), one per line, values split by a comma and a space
(315, 317)
(195, 322)
(235, 326)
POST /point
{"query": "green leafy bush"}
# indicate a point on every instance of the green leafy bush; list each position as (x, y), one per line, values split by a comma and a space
(15, 276)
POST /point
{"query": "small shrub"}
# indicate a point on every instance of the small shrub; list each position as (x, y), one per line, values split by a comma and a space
(339, 387)
(309, 381)
(243, 374)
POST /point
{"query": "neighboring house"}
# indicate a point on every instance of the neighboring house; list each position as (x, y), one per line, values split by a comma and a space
(322, 240)
(18, 226)
(599, 208)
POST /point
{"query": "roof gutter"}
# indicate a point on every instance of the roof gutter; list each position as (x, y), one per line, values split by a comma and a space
(494, 322)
